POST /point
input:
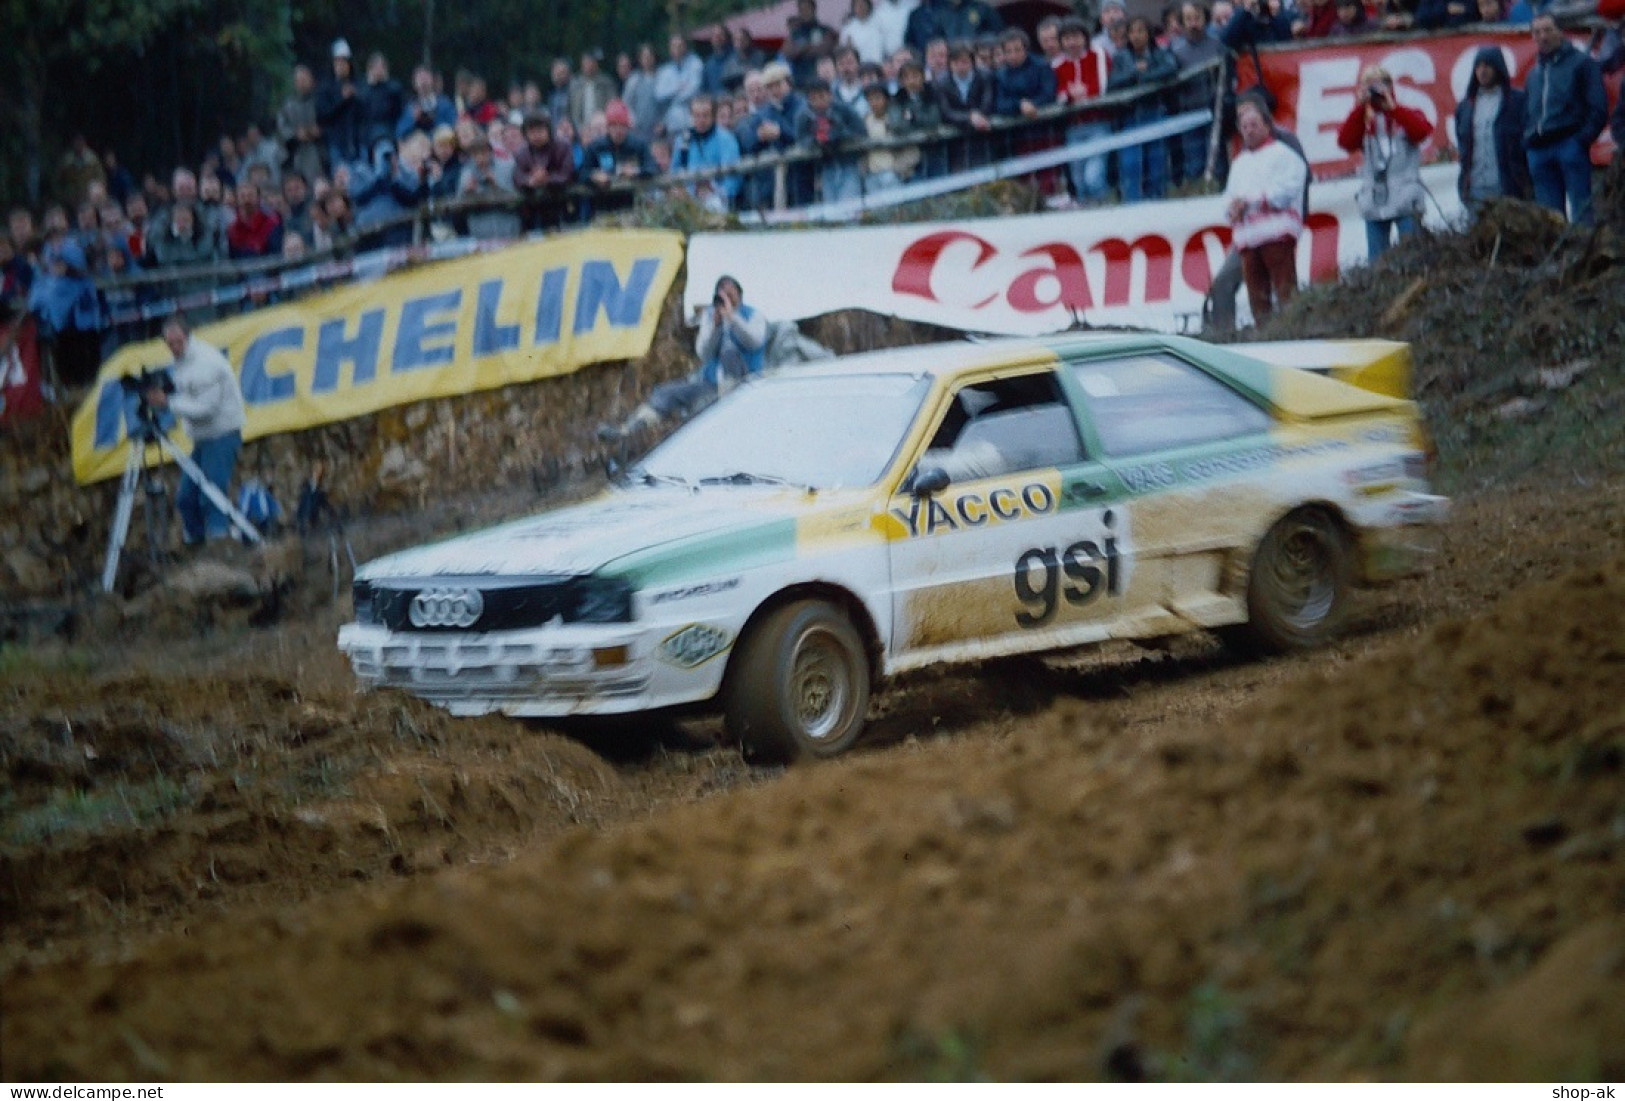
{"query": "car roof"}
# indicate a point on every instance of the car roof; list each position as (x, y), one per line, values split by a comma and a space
(952, 357)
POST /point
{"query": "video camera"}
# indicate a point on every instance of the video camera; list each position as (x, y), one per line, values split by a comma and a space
(141, 420)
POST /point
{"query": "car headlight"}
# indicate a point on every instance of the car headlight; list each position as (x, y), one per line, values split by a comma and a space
(601, 600)
(366, 612)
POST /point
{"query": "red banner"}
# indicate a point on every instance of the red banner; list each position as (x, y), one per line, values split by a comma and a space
(21, 395)
(1315, 86)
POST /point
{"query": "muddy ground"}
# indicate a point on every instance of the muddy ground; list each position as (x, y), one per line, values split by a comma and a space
(1396, 858)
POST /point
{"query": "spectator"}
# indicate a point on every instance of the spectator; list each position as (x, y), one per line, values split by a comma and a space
(1567, 109)
(298, 128)
(558, 93)
(1255, 23)
(936, 60)
(639, 94)
(335, 228)
(120, 183)
(1194, 48)
(706, 145)
(1142, 169)
(1219, 18)
(382, 105)
(891, 17)
(987, 53)
(1113, 33)
(184, 241)
(1047, 39)
(478, 107)
(1081, 75)
(826, 125)
(750, 57)
(1489, 135)
(724, 69)
(294, 248)
(863, 32)
(485, 177)
(136, 219)
(677, 82)
(69, 309)
(261, 150)
(1314, 19)
(255, 231)
(847, 87)
(78, 169)
(731, 345)
(1351, 20)
(1023, 83)
(617, 157)
(805, 41)
(591, 90)
(447, 154)
(1263, 204)
(966, 94)
(427, 109)
(338, 110)
(296, 197)
(1390, 137)
(1492, 11)
(542, 169)
(772, 128)
(885, 167)
(209, 403)
(954, 20)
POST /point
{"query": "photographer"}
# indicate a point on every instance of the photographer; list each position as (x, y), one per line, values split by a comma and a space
(1391, 194)
(209, 403)
(732, 347)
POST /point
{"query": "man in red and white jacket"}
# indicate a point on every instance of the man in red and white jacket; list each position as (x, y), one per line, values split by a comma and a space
(1081, 72)
(1263, 201)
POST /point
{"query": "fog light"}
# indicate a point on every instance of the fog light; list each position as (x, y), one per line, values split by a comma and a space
(604, 657)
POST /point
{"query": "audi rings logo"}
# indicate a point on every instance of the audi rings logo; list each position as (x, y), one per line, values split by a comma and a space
(446, 608)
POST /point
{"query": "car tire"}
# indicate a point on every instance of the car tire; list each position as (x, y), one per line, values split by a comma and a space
(799, 686)
(1298, 587)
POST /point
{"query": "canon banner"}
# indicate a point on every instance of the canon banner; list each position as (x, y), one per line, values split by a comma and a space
(536, 309)
(1147, 265)
(1316, 85)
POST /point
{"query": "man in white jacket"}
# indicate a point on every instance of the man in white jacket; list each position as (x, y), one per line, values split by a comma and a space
(209, 403)
(1264, 203)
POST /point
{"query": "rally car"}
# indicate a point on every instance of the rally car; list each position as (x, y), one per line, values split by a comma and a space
(828, 526)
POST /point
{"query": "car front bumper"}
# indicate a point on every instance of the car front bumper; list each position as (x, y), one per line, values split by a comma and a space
(546, 671)
(1404, 537)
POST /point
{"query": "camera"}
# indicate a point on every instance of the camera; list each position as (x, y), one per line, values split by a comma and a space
(719, 301)
(141, 420)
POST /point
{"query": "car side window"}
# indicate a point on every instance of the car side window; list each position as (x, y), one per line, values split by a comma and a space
(1003, 426)
(1157, 402)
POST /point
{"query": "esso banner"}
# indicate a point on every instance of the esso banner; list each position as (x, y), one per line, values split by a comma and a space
(1145, 265)
(1315, 86)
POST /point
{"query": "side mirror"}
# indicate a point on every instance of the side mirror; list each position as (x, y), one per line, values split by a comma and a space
(929, 480)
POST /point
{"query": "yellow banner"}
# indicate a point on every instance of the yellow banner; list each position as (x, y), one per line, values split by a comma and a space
(526, 312)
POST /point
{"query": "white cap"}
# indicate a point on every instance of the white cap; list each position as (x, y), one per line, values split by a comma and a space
(341, 48)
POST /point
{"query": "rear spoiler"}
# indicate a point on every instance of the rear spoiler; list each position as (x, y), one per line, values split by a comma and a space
(1380, 366)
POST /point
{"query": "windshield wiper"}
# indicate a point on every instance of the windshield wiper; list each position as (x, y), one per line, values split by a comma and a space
(640, 476)
(747, 478)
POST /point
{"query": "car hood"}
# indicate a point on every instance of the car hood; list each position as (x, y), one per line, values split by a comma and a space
(580, 539)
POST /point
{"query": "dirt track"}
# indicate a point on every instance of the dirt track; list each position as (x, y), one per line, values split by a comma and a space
(1396, 858)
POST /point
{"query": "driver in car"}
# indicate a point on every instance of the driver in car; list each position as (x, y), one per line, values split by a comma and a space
(732, 346)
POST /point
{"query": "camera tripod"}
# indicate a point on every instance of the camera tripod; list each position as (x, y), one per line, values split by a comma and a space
(139, 473)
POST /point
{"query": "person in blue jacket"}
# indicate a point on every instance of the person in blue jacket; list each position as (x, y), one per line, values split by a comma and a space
(1567, 109)
(1142, 170)
(1489, 135)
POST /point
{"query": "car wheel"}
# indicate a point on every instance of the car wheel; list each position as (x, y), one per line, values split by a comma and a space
(1298, 589)
(800, 687)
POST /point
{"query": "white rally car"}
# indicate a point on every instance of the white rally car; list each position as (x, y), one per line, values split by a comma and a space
(825, 527)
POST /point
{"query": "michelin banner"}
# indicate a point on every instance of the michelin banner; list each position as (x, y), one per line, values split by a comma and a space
(532, 311)
(1148, 265)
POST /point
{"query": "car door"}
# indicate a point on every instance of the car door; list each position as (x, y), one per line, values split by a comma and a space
(1194, 454)
(1005, 533)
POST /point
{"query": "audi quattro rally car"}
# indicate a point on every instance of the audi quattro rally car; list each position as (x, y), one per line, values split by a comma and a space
(828, 526)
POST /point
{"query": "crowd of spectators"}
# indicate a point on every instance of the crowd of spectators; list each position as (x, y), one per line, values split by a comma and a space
(354, 151)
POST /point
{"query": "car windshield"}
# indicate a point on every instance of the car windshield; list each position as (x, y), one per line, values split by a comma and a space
(822, 431)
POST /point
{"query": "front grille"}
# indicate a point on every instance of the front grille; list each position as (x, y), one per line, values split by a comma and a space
(507, 605)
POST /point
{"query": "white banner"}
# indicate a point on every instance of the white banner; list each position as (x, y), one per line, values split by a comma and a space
(1147, 265)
